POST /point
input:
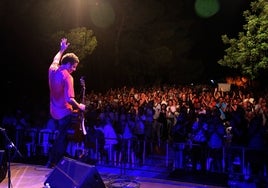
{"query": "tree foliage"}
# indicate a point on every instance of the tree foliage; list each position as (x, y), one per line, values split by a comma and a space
(248, 53)
(83, 42)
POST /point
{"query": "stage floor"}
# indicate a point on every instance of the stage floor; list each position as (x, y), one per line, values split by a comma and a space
(34, 176)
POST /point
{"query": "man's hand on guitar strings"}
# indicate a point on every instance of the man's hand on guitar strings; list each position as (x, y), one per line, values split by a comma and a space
(82, 107)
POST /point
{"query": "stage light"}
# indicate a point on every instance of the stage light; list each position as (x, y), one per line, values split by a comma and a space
(102, 14)
(206, 8)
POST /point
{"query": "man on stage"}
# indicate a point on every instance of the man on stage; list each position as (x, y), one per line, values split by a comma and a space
(62, 99)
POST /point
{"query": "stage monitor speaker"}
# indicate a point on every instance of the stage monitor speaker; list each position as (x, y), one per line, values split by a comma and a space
(3, 165)
(69, 173)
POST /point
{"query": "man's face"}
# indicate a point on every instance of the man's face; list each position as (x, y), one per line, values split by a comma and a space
(72, 67)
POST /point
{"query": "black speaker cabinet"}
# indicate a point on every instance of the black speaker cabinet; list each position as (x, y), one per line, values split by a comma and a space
(69, 173)
(3, 165)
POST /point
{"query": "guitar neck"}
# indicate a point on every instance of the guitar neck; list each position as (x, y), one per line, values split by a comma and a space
(83, 101)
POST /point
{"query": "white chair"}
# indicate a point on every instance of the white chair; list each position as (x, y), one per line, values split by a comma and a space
(31, 143)
(45, 139)
(75, 149)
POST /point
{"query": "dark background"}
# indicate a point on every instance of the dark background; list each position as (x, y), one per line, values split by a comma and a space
(144, 26)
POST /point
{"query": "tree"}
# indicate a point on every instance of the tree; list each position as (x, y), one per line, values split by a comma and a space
(248, 53)
(83, 41)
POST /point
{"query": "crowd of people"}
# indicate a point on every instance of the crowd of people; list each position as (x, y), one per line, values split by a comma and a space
(172, 113)
(203, 113)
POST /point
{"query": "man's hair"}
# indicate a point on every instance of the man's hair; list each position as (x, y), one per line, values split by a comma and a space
(69, 58)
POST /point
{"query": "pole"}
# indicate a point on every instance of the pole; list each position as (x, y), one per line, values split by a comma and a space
(9, 146)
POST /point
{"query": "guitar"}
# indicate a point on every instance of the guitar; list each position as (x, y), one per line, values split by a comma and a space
(82, 127)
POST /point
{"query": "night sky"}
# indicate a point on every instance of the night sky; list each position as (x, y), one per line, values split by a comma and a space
(194, 41)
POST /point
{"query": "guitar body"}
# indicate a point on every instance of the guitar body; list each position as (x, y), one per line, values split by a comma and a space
(79, 119)
(83, 127)
(78, 135)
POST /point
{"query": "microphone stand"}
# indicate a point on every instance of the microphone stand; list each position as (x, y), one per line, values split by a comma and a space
(9, 146)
